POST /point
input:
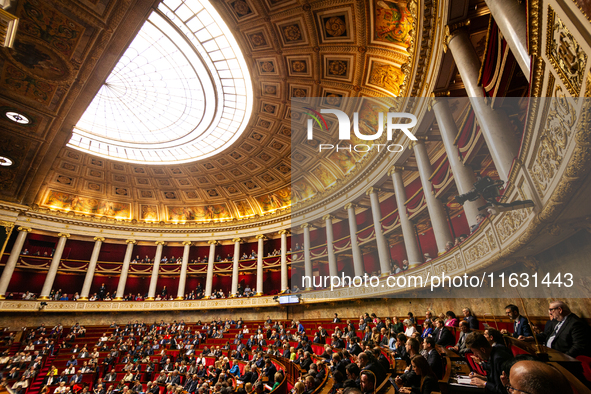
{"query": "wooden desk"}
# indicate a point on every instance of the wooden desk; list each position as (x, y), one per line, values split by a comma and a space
(460, 367)
(449, 353)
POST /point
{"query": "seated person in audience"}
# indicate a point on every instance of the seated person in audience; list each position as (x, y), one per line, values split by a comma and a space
(111, 376)
(494, 356)
(409, 327)
(442, 335)
(427, 328)
(569, 335)
(472, 320)
(367, 361)
(521, 328)
(451, 320)
(409, 377)
(433, 357)
(429, 381)
(536, 377)
(367, 382)
(460, 346)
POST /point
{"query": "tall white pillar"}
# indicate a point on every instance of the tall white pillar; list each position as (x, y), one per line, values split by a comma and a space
(155, 269)
(210, 262)
(124, 270)
(434, 206)
(98, 241)
(55, 262)
(235, 267)
(260, 252)
(495, 125)
(355, 249)
(511, 18)
(383, 250)
(307, 257)
(413, 252)
(284, 273)
(13, 260)
(463, 175)
(180, 294)
(332, 259)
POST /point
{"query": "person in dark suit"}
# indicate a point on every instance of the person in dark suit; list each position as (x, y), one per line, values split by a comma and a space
(521, 328)
(336, 318)
(443, 337)
(428, 381)
(460, 346)
(495, 356)
(569, 335)
(433, 357)
(269, 370)
(470, 318)
(367, 361)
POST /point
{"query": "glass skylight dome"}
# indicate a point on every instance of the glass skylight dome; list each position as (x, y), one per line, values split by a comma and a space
(181, 91)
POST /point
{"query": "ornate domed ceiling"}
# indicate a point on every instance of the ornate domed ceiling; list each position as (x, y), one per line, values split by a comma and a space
(330, 49)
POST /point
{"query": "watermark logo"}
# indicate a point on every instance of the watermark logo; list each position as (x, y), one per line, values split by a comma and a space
(345, 128)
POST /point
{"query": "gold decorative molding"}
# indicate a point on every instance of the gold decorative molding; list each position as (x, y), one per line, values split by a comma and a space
(235, 240)
(371, 190)
(212, 242)
(64, 235)
(394, 169)
(260, 236)
(185, 243)
(281, 232)
(305, 225)
(350, 205)
(158, 243)
(565, 54)
(453, 30)
(101, 239)
(327, 217)
(25, 229)
(130, 241)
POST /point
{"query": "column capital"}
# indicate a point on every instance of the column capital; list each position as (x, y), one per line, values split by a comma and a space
(212, 242)
(130, 241)
(435, 98)
(261, 236)
(25, 229)
(187, 243)
(395, 169)
(236, 240)
(453, 30)
(349, 205)
(158, 243)
(101, 239)
(327, 217)
(305, 225)
(372, 190)
(64, 235)
(281, 232)
(420, 140)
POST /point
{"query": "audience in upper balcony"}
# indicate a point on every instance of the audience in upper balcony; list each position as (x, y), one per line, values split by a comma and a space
(472, 320)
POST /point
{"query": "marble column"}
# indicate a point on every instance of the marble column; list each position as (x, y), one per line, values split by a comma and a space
(413, 252)
(355, 249)
(124, 270)
(434, 206)
(383, 250)
(284, 272)
(55, 262)
(210, 262)
(511, 18)
(98, 241)
(463, 175)
(155, 269)
(308, 272)
(332, 259)
(13, 260)
(260, 253)
(496, 128)
(235, 267)
(180, 294)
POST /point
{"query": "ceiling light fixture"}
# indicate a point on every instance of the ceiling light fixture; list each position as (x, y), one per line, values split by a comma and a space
(16, 117)
(5, 161)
